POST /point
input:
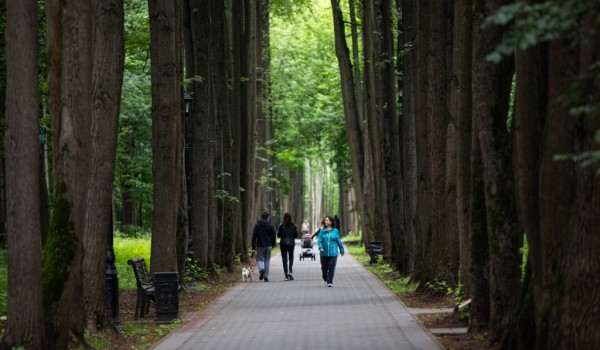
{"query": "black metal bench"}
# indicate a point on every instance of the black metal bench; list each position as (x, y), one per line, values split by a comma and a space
(374, 250)
(145, 287)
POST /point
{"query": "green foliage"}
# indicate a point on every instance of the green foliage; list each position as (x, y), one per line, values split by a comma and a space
(133, 168)
(439, 287)
(533, 24)
(306, 101)
(218, 270)
(193, 272)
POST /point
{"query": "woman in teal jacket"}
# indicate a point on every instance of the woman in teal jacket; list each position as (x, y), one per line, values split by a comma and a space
(330, 245)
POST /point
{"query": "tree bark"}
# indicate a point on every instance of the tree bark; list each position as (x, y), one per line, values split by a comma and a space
(406, 59)
(107, 73)
(569, 198)
(24, 323)
(166, 126)
(63, 253)
(351, 105)
(491, 90)
(460, 114)
(391, 130)
(439, 264)
(422, 220)
(530, 113)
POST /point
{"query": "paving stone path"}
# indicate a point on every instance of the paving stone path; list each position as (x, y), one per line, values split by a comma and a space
(357, 313)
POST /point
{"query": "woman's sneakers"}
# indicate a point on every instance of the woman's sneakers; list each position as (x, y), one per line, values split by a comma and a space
(329, 285)
(289, 277)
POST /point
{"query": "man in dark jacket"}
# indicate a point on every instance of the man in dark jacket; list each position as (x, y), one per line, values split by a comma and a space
(263, 240)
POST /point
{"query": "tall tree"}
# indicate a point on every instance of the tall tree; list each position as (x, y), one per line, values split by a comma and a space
(406, 58)
(24, 324)
(440, 262)
(70, 56)
(166, 128)
(559, 199)
(491, 91)
(391, 137)
(350, 102)
(460, 115)
(197, 59)
(375, 190)
(107, 75)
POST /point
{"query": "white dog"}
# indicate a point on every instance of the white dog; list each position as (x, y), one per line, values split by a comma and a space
(247, 274)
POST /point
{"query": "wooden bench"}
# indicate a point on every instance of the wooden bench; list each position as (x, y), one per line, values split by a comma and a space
(374, 250)
(145, 287)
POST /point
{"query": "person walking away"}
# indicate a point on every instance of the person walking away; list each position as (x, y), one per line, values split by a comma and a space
(263, 241)
(330, 245)
(287, 234)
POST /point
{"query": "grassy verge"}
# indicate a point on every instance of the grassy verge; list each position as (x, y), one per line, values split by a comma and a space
(398, 284)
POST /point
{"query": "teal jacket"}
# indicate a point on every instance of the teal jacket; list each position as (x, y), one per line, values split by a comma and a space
(330, 242)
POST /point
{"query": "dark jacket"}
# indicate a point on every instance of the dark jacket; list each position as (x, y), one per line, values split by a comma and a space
(288, 234)
(263, 235)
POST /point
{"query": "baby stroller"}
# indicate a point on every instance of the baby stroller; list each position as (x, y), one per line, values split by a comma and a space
(307, 247)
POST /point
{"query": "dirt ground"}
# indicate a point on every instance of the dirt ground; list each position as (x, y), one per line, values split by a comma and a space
(444, 320)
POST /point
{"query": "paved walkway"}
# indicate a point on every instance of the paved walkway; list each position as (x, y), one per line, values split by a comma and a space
(357, 313)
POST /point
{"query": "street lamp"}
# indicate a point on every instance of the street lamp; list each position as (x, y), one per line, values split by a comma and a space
(112, 279)
(187, 100)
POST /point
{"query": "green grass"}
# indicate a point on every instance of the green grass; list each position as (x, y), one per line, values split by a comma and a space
(127, 248)
(398, 284)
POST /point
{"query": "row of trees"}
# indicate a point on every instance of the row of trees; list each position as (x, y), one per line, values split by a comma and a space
(466, 122)
(208, 166)
(445, 170)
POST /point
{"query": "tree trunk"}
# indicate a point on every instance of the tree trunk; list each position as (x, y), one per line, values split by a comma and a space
(391, 130)
(108, 57)
(351, 105)
(569, 197)
(409, 153)
(63, 253)
(491, 89)
(376, 215)
(530, 112)
(235, 111)
(197, 65)
(460, 114)
(439, 264)
(479, 317)
(166, 126)
(24, 323)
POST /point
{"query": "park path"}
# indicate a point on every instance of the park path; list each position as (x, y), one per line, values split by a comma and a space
(357, 313)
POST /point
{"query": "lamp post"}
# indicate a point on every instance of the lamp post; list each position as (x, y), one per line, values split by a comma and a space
(187, 100)
(112, 279)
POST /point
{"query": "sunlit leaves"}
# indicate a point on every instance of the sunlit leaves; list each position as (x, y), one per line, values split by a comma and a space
(306, 98)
